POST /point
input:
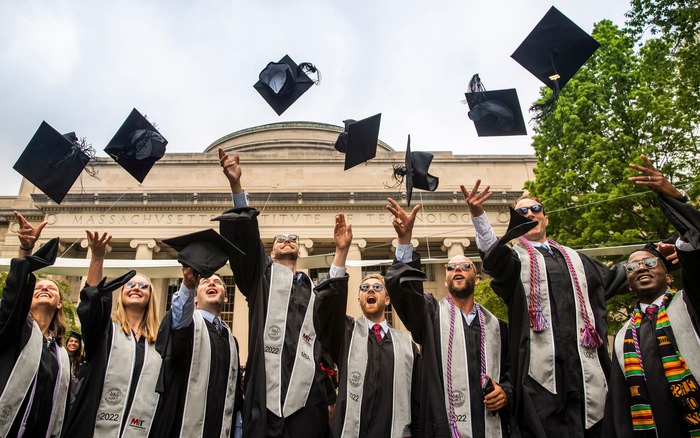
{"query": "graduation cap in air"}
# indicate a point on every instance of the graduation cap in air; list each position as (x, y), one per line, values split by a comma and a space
(53, 162)
(282, 83)
(518, 226)
(495, 113)
(137, 145)
(359, 140)
(554, 51)
(415, 172)
(204, 251)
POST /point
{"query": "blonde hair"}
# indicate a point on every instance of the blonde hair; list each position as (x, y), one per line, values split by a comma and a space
(151, 320)
(57, 326)
(376, 277)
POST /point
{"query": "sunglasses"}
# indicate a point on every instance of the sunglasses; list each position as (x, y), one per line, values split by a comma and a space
(377, 287)
(537, 208)
(649, 262)
(140, 285)
(464, 266)
(281, 238)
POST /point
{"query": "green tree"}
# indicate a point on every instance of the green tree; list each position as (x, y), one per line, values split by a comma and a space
(484, 295)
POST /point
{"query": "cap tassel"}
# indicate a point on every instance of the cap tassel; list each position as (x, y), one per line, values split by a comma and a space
(398, 174)
(537, 321)
(87, 149)
(476, 88)
(590, 338)
(308, 68)
(543, 109)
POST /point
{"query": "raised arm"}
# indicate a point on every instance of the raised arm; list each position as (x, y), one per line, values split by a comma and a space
(28, 235)
(98, 248)
(485, 237)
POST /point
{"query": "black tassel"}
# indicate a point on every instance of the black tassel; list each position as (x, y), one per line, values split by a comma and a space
(398, 175)
(309, 68)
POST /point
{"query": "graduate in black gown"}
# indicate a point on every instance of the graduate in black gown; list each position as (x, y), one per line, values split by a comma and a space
(201, 392)
(34, 368)
(557, 320)
(450, 404)
(654, 388)
(78, 366)
(375, 410)
(280, 340)
(117, 394)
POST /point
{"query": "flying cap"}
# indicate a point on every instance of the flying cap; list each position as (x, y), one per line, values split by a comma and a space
(204, 251)
(359, 140)
(415, 172)
(137, 145)
(495, 113)
(554, 51)
(518, 225)
(52, 162)
(282, 83)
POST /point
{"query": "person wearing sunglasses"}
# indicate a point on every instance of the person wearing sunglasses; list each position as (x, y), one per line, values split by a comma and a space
(557, 318)
(117, 395)
(466, 389)
(654, 388)
(34, 367)
(379, 366)
(285, 385)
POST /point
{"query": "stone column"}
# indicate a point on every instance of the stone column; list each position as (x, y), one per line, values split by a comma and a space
(239, 329)
(144, 251)
(305, 248)
(355, 273)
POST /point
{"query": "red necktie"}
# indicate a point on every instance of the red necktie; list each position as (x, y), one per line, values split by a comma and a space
(651, 310)
(376, 328)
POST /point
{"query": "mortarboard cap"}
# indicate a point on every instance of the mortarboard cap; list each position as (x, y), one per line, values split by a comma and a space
(554, 51)
(204, 251)
(282, 83)
(415, 172)
(494, 113)
(359, 140)
(52, 161)
(651, 248)
(518, 226)
(137, 145)
(75, 335)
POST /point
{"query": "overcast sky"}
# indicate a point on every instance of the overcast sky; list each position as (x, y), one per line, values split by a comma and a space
(83, 65)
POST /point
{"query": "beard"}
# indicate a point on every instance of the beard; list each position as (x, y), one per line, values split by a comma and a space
(290, 256)
(462, 292)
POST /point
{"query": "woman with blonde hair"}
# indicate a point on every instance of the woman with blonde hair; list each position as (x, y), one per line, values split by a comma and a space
(117, 397)
(34, 369)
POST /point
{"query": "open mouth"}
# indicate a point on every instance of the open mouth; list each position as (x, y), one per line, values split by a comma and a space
(43, 295)
(134, 294)
(458, 277)
(211, 291)
(371, 299)
(644, 277)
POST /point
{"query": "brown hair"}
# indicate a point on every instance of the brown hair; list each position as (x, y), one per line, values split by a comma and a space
(151, 320)
(57, 326)
(534, 198)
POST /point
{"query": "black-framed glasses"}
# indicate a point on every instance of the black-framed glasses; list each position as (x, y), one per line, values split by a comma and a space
(281, 238)
(649, 262)
(141, 285)
(537, 208)
(377, 287)
(464, 266)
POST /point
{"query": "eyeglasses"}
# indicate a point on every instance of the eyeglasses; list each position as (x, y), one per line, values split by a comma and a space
(464, 266)
(281, 238)
(649, 262)
(140, 285)
(377, 287)
(537, 208)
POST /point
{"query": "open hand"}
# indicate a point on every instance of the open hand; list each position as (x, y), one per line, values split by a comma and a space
(27, 234)
(476, 198)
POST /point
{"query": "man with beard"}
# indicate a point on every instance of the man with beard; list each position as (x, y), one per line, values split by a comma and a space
(379, 366)
(285, 391)
(464, 378)
(557, 318)
(654, 389)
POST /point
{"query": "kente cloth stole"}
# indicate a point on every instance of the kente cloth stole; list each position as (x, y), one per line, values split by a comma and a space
(120, 366)
(533, 275)
(684, 386)
(304, 368)
(356, 372)
(456, 368)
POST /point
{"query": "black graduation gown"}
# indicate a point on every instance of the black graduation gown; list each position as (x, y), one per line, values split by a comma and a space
(252, 272)
(538, 412)
(667, 416)
(94, 311)
(335, 331)
(15, 330)
(420, 313)
(175, 347)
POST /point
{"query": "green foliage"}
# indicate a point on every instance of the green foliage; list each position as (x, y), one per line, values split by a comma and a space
(3, 277)
(484, 295)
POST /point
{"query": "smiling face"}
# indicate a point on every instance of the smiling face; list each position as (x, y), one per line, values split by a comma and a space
(373, 301)
(647, 283)
(136, 293)
(285, 248)
(46, 295)
(539, 233)
(211, 294)
(460, 282)
(72, 345)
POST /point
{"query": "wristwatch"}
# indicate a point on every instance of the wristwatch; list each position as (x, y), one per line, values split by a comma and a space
(685, 197)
